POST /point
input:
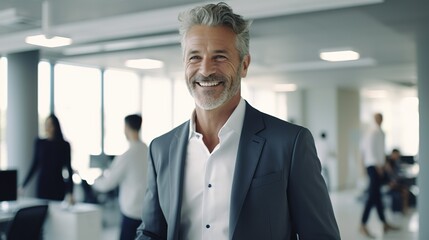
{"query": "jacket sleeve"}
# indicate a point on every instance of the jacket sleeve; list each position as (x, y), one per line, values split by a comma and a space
(154, 225)
(67, 163)
(311, 209)
(34, 164)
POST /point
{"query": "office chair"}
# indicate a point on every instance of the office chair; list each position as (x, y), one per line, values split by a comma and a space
(27, 223)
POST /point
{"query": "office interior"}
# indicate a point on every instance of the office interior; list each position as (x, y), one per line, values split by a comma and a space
(91, 87)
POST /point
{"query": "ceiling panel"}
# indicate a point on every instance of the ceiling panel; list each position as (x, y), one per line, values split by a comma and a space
(286, 36)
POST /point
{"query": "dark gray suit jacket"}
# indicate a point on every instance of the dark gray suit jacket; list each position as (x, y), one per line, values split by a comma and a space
(278, 191)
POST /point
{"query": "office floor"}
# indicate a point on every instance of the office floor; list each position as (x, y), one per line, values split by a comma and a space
(348, 212)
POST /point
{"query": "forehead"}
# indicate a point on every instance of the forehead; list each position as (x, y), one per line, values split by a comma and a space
(202, 36)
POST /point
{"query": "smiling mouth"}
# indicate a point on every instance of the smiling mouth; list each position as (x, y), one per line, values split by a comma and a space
(209, 84)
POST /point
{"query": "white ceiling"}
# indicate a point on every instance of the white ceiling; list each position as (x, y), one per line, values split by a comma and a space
(286, 37)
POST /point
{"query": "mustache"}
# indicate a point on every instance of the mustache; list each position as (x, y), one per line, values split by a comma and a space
(213, 77)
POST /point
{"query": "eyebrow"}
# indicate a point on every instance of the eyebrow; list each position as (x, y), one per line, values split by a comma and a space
(216, 51)
(221, 51)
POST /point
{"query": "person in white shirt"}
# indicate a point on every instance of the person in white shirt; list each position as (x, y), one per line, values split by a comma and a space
(374, 158)
(128, 171)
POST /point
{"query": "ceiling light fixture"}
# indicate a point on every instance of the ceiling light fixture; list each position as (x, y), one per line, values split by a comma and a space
(285, 87)
(47, 39)
(375, 93)
(144, 63)
(340, 55)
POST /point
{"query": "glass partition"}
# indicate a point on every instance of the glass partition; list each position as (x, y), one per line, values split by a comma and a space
(121, 98)
(77, 92)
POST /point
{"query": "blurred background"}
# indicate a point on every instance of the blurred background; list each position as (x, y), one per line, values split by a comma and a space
(124, 57)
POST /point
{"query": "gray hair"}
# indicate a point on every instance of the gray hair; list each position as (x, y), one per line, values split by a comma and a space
(217, 15)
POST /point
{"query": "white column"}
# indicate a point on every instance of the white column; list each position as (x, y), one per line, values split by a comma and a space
(423, 93)
(22, 113)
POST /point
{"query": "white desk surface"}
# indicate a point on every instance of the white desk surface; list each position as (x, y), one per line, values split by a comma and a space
(81, 221)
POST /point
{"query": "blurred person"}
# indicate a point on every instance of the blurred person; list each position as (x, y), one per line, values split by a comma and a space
(51, 156)
(397, 186)
(128, 171)
(231, 171)
(374, 157)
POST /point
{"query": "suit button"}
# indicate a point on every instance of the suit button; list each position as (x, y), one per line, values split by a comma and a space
(207, 226)
(209, 185)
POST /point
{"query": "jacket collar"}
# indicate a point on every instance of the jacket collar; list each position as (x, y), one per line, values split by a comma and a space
(249, 152)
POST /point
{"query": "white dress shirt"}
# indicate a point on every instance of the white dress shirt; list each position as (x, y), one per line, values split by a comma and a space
(128, 171)
(208, 181)
(373, 147)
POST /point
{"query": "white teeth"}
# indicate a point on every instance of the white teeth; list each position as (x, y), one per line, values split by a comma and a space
(208, 84)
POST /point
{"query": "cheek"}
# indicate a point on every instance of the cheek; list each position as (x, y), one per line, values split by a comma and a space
(230, 69)
(190, 71)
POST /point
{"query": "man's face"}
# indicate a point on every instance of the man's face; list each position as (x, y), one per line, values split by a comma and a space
(378, 119)
(49, 128)
(396, 155)
(213, 69)
(126, 131)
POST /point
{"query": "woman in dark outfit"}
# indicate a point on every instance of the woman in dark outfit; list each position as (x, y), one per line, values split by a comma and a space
(51, 156)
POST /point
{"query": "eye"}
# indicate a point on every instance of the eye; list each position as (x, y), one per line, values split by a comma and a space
(220, 58)
(194, 58)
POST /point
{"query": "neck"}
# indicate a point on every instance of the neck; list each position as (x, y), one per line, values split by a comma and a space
(209, 122)
(134, 137)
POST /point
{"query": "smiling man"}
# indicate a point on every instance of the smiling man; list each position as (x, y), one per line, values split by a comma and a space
(231, 171)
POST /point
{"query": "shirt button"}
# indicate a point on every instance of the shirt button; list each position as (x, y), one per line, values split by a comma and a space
(207, 226)
(209, 185)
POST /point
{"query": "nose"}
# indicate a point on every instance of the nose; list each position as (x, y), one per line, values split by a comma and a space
(207, 67)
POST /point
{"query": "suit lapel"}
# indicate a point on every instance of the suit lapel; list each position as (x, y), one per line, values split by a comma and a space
(177, 158)
(248, 155)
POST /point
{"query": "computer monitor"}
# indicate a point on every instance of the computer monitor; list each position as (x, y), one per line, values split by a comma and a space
(8, 185)
(407, 159)
(102, 161)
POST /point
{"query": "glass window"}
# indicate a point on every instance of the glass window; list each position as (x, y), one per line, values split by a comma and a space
(3, 107)
(121, 98)
(156, 107)
(409, 127)
(183, 103)
(78, 107)
(265, 100)
(44, 94)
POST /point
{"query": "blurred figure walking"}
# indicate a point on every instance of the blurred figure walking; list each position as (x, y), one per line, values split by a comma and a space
(51, 156)
(374, 158)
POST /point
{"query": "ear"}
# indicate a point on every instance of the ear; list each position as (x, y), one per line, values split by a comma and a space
(245, 65)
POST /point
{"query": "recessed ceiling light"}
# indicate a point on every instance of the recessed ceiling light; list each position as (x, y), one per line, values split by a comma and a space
(337, 56)
(375, 93)
(144, 63)
(285, 87)
(51, 42)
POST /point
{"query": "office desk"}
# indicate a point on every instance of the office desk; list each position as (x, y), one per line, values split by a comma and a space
(8, 209)
(6, 216)
(78, 222)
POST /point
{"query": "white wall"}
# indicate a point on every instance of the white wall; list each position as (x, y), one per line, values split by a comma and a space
(335, 112)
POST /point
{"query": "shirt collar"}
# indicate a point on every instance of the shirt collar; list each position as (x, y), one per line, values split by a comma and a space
(234, 122)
